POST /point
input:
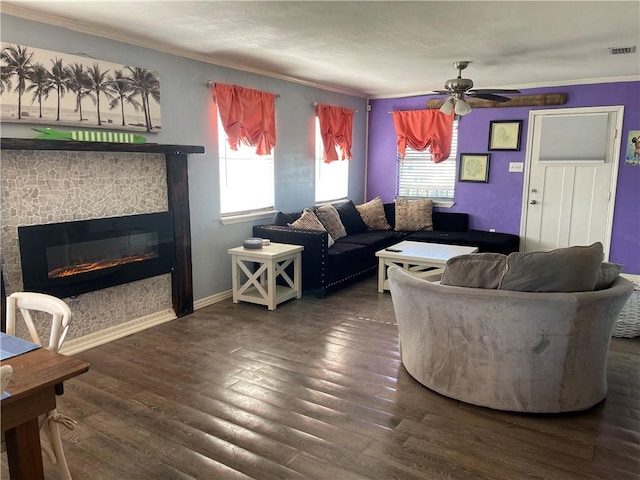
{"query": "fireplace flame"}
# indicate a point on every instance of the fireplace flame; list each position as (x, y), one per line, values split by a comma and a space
(97, 265)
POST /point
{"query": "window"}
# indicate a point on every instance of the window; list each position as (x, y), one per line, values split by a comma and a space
(418, 176)
(246, 179)
(332, 179)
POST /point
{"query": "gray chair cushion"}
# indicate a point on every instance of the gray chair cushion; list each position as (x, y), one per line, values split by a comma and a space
(476, 270)
(570, 269)
(607, 275)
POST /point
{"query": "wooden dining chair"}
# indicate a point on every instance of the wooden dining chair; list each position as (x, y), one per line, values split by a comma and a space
(28, 303)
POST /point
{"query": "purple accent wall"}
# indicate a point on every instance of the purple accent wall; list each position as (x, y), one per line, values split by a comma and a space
(498, 203)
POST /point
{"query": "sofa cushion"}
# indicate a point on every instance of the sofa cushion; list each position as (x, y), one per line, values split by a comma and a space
(330, 218)
(607, 275)
(309, 221)
(346, 256)
(570, 269)
(450, 221)
(505, 243)
(476, 270)
(372, 213)
(414, 214)
(374, 240)
(390, 213)
(351, 218)
(284, 219)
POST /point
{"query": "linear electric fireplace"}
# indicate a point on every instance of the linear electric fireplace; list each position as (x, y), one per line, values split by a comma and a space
(70, 258)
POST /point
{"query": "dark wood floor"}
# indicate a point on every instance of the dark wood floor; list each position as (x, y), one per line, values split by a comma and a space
(316, 390)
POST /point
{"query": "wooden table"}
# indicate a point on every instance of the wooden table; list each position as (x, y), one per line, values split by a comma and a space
(260, 286)
(422, 259)
(32, 389)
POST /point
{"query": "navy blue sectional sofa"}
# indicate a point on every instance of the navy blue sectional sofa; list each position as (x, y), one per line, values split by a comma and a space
(352, 257)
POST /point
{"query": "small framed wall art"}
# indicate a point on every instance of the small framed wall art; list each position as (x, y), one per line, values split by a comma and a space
(505, 134)
(474, 167)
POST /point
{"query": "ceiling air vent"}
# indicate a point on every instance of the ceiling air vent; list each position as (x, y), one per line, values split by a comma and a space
(622, 50)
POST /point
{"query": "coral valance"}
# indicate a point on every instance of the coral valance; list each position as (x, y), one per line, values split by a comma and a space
(424, 128)
(248, 116)
(336, 130)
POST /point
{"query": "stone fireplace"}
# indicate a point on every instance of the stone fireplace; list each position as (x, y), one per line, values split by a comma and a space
(51, 182)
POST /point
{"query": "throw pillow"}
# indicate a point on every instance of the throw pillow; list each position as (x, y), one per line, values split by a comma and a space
(309, 221)
(284, 219)
(607, 275)
(414, 215)
(476, 270)
(571, 269)
(372, 213)
(351, 219)
(330, 218)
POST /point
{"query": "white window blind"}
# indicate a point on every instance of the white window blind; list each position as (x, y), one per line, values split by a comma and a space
(574, 137)
(418, 176)
(246, 179)
(332, 179)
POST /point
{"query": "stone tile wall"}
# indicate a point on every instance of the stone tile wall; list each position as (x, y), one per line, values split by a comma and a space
(56, 186)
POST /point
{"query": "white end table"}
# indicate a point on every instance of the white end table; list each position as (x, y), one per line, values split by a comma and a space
(424, 260)
(260, 286)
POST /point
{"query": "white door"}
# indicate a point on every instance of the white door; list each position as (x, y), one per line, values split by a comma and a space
(571, 176)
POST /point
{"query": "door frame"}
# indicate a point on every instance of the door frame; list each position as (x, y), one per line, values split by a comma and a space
(613, 151)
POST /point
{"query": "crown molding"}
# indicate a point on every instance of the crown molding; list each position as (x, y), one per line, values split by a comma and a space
(11, 8)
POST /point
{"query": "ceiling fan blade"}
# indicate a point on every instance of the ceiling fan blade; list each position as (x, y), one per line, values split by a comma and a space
(489, 96)
(443, 92)
(492, 90)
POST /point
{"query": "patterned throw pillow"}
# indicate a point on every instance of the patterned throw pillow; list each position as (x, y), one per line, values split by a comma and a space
(414, 215)
(309, 221)
(373, 215)
(330, 218)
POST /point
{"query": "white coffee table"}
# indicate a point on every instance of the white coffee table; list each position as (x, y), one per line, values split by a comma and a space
(260, 286)
(424, 260)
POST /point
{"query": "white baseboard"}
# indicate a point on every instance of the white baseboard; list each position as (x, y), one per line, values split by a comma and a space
(210, 300)
(80, 344)
(631, 276)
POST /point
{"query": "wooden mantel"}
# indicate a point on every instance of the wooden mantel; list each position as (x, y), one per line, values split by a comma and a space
(177, 194)
(76, 146)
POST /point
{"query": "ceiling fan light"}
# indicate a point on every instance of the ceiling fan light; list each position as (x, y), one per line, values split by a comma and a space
(462, 107)
(447, 107)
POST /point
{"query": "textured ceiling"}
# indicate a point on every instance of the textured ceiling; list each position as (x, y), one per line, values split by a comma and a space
(373, 48)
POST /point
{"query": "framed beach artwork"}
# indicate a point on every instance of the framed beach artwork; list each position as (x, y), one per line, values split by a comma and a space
(474, 167)
(43, 87)
(632, 156)
(505, 134)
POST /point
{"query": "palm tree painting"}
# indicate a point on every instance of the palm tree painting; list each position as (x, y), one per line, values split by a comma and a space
(78, 83)
(59, 79)
(41, 85)
(75, 90)
(16, 62)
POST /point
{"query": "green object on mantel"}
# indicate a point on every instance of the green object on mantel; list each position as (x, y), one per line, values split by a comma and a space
(89, 136)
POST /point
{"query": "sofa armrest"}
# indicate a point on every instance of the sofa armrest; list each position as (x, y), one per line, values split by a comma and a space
(314, 255)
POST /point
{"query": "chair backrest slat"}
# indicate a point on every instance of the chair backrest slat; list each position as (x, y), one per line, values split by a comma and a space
(28, 302)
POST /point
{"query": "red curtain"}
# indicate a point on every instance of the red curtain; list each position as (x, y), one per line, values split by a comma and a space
(424, 128)
(336, 130)
(248, 116)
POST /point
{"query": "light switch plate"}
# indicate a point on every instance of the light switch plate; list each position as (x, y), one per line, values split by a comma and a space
(516, 166)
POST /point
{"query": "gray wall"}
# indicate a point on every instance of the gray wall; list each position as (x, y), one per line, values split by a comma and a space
(189, 117)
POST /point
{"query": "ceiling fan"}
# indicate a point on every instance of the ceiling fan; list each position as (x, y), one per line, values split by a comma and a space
(459, 87)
